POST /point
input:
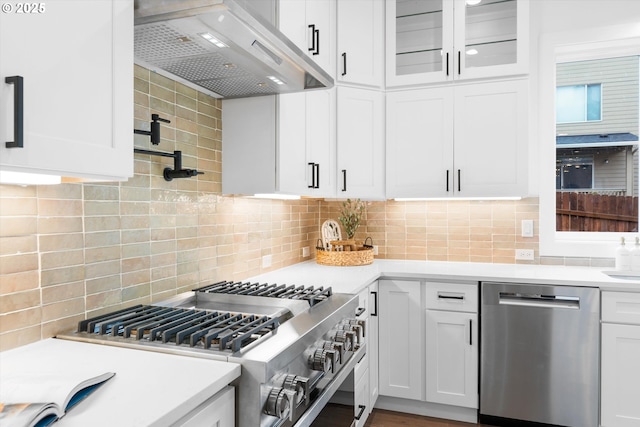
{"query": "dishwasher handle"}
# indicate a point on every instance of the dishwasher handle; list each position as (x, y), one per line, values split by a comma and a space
(538, 300)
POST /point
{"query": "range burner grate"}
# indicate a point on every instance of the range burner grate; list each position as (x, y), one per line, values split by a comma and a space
(311, 294)
(224, 331)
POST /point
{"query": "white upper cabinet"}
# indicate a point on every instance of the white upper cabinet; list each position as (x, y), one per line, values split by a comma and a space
(75, 60)
(285, 144)
(282, 144)
(360, 42)
(306, 143)
(360, 143)
(468, 140)
(311, 25)
(430, 41)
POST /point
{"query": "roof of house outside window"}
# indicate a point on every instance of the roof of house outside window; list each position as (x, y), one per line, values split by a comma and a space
(596, 140)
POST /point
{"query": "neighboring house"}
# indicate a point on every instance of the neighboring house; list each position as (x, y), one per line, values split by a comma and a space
(597, 127)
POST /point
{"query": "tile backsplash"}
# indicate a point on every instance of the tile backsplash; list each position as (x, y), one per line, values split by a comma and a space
(79, 249)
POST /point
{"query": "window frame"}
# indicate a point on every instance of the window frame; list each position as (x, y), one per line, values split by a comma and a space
(570, 46)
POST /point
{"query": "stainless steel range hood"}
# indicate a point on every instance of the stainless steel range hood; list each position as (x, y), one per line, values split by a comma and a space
(222, 48)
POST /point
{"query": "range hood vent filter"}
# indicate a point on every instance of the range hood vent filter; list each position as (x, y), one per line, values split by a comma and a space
(169, 40)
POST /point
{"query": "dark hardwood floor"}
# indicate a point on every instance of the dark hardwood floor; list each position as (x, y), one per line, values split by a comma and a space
(382, 418)
(342, 416)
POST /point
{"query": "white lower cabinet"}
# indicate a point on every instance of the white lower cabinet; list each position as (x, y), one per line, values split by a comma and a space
(218, 411)
(355, 390)
(361, 405)
(428, 348)
(372, 343)
(401, 339)
(620, 369)
(451, 343)
(452, 358)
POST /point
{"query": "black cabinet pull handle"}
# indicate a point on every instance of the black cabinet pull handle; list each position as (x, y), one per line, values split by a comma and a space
(344, 63)
(447, 180)
(312, 27)
(459, 63)
(456, 297)
(362, 408)
(18, 111)
(458, 179)
(447, 63)
(470, 331)
(316, 34)
(375, 303)
(317, 167)
(313, 175)
(344, 180)
(359, 311)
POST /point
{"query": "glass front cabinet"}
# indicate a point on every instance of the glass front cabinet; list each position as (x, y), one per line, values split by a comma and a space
(431, 41)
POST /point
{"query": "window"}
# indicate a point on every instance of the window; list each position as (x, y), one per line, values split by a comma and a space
(588, 133)
(579, 103)
(574, 172)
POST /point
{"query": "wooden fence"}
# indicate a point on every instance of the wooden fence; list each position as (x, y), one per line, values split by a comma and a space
(596, 212)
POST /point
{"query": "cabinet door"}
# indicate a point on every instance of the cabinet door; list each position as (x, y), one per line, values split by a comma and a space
(401, 344)
(435, 41)
(419, 143)
(451, 340)
(419, 41)
(491, 133)
(360, 143)
(310, 24)
(361, 406)
(76, 62)
(293, 172)
(620, 373)
(321, 142)
(491, 38)
(360, 42)
(321, 31)
(372, 344)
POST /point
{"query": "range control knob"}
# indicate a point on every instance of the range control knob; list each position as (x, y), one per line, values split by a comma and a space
(347, 338)
(357, 322)
(279, 403)
(356, 329)
(299, 385)
(323, 360)
(337, 346)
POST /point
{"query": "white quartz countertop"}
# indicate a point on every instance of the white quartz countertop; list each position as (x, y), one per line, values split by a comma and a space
(354, 279)
(149, 388)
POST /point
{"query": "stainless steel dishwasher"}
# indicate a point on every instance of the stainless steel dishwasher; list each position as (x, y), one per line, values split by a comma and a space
(539, 354)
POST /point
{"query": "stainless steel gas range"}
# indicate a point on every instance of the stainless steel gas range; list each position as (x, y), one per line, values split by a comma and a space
(296, 344)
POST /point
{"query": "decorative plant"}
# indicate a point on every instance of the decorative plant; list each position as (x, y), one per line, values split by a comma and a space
(350, 216)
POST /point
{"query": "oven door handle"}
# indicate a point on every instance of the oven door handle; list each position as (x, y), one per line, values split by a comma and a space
(323, 398)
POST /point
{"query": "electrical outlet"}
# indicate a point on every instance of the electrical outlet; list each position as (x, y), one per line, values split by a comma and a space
(266, 261)
(525, 254)
(306, 251)
(375, 249)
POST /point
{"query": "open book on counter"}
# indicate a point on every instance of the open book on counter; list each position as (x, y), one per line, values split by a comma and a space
(40, 399)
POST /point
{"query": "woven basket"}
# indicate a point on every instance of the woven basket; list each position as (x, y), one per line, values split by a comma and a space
(362, 255)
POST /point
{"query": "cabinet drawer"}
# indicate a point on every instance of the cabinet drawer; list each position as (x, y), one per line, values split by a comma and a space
(452, 296)
(360, 368)
(621, 307)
